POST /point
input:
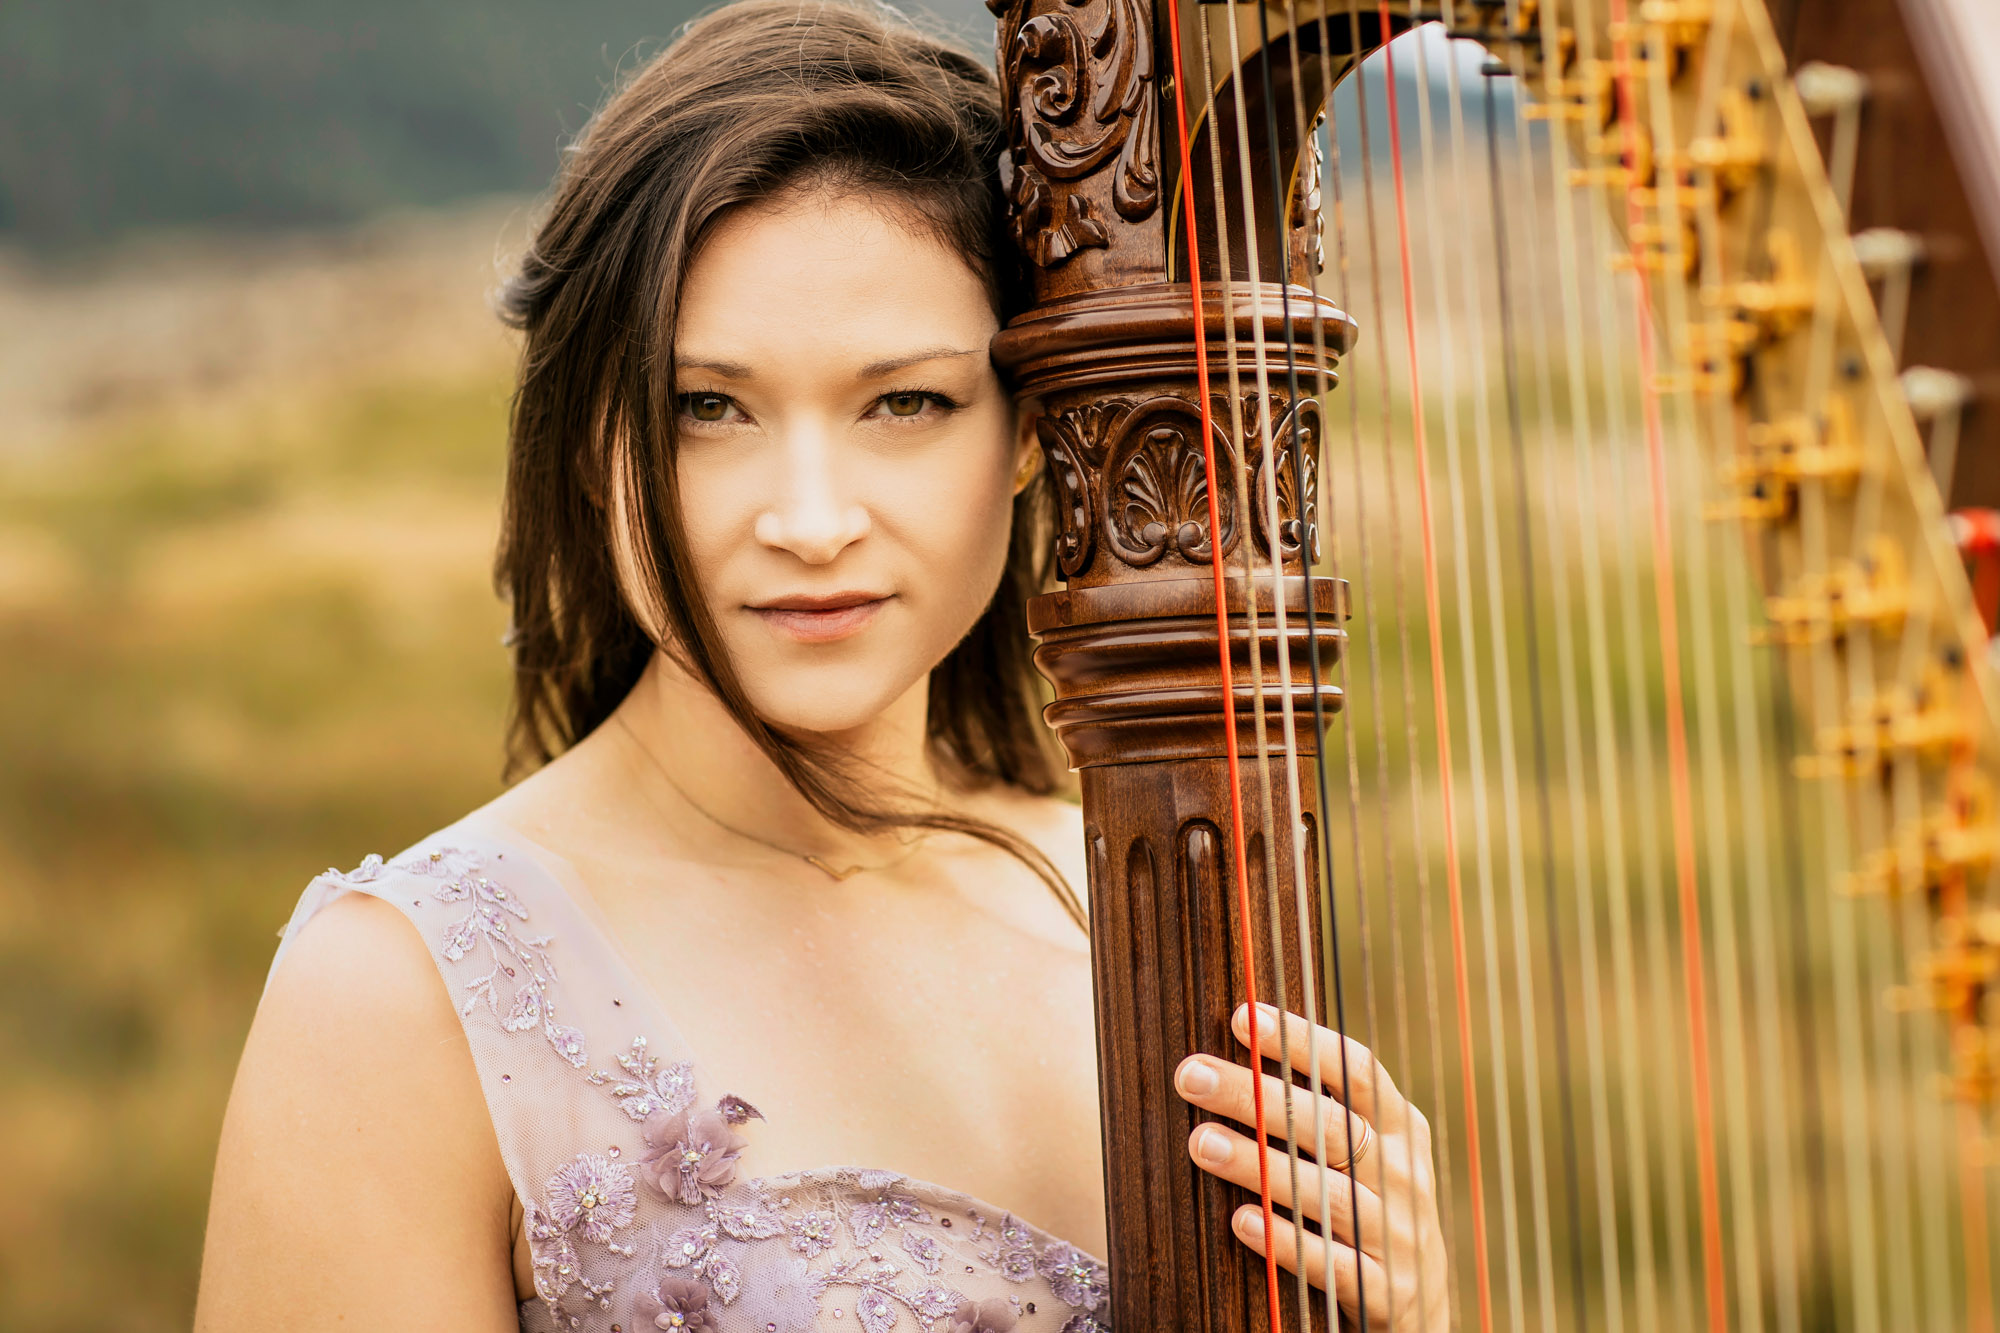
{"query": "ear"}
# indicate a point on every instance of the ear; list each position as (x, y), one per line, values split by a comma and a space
(1027, 443)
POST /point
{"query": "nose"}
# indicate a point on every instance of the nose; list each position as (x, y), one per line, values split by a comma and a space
(809, 513)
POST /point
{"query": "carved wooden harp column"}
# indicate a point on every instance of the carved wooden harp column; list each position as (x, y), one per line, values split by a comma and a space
(1130, 643)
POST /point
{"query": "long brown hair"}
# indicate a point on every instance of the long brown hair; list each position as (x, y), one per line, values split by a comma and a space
(758, 98)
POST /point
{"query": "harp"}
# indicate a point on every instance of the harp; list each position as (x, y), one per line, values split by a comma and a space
(1522, 478)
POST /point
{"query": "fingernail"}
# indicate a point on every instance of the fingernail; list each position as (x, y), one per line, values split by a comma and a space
(1250, 1221)
(1212, 1145)
(1196, 1079)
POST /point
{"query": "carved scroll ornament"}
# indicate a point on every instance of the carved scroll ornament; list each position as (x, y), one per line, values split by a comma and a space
(1082, 76)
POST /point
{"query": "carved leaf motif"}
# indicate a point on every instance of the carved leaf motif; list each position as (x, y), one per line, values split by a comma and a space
(1157, 485)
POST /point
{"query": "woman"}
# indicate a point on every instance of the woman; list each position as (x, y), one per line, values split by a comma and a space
(788, 890)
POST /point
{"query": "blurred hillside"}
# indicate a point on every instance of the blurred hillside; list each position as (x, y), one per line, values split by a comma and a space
(117, 115)
(247, 502)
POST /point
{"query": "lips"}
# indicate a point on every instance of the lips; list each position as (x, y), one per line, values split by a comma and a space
(821, 619)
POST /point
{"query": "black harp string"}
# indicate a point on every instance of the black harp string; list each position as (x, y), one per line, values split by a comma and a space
(1307, 128)
(1262, 416)
(1351, 744)
(1493, 71)
(1279, 196)
(1244, 516)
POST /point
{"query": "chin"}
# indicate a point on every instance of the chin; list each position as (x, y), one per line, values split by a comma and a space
(828, 702)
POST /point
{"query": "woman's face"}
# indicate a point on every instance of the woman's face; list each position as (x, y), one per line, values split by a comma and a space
(847, 452)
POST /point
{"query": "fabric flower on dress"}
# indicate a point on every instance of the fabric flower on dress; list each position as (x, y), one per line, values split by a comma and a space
(690, 1156)
(991, 1316)
(679, 1306)
(1075, 1277)
(592, 1196)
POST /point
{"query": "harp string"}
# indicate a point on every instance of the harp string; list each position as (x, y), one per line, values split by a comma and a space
(1679, 781)
(1237, 841)
(1261, 372)
(1510, 343)
(1877, 822)
(1472, 697)
(1305, 489)
(1773, 1115)
(1439, 695)
(1243, 490)
(1584, 523)
(1371, 616)
(1508, 832)
(1815, 564)
(1677, 390)
(1613, 329)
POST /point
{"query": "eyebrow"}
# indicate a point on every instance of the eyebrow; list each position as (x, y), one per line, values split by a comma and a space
(736, 370)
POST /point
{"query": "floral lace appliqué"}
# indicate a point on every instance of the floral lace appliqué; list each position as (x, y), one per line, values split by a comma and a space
(518, 961)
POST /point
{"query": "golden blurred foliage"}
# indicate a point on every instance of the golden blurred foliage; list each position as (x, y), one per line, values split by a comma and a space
(248, 494)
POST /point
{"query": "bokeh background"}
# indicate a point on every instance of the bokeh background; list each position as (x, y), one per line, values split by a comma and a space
(252, 408)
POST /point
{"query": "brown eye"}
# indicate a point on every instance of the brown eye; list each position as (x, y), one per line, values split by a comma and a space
(705, 406)
(906, 404)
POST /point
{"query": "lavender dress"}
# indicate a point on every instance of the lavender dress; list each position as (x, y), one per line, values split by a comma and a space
(643, 1205)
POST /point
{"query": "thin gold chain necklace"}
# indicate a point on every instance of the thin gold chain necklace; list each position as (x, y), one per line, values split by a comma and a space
(820, 864)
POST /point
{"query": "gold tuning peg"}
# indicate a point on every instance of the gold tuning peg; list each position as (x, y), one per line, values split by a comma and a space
(1779, 455)
(1872, 592)
(1734, 152)
(1777, 304)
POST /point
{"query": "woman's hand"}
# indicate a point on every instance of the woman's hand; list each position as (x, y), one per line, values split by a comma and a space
(1390, 1188)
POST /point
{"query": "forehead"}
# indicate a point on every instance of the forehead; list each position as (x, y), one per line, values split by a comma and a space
(829, 280)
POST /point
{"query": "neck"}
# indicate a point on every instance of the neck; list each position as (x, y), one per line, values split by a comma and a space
(702, 771)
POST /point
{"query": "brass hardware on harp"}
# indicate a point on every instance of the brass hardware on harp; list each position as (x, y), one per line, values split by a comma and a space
(1869, 593)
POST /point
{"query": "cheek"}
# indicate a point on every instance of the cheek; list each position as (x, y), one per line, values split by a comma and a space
(958, 526)
(718, 504)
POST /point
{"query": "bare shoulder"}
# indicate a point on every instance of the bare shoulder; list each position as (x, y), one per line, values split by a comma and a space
(358, 1178)
(1055, 825)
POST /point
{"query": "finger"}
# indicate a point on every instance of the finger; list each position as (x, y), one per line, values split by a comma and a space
(1347, 1069)
(1316, 1255)
(1226, 1089)
(1329, 1197)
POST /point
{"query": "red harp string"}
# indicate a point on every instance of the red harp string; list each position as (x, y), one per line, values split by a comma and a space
(1236, 835)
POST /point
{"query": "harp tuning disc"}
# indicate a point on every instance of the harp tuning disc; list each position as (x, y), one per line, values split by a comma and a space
(1884, 250)
(1827, 90)
(1931, 392)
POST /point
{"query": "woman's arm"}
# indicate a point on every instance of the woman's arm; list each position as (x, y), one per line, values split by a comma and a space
(359, 1183)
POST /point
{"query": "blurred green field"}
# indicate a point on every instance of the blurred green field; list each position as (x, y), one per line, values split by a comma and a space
(238, 641)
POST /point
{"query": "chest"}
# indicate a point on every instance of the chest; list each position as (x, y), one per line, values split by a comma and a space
(923, 1032)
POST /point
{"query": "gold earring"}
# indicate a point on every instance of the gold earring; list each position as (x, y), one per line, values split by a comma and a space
(1025, 474)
